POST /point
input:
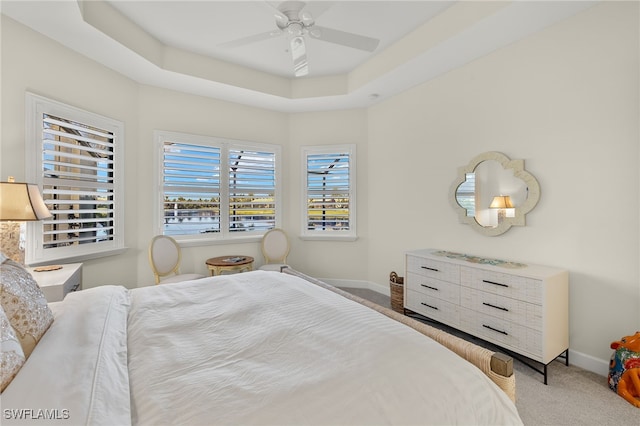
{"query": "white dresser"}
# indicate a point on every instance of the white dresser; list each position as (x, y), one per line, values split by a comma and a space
(522, 308)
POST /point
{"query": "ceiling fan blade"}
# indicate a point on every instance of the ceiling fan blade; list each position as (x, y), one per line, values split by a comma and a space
(344, 38)
(314, 9)
(299, 56)
(251, 39)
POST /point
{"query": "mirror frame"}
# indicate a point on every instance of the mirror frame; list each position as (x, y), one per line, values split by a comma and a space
(517, 166)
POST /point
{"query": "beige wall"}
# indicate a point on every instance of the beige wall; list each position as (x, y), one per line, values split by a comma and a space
(161, 109)
(564, 100)
(326, 259)
(31, 62)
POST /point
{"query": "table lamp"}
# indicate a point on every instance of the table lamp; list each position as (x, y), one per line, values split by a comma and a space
(501, 203)
(19, 202)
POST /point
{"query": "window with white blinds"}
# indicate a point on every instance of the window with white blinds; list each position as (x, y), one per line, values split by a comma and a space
(191, 188)
(330, 201)
(252, 190)
(216, 188)
(75, 155)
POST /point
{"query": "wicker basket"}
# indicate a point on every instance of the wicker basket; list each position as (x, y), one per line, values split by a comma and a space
(397, 292)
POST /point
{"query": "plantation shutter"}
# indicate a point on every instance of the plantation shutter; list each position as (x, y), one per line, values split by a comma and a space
(252, 190)
(191, 189)
(328, 191)
(78, 183)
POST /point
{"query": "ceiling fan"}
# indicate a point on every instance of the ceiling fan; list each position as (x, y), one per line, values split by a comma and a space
(295, 22)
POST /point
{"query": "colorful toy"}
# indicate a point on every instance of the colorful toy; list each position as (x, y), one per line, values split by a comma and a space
(624, 368)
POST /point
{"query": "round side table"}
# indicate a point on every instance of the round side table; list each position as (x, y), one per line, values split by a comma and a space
(220, 264)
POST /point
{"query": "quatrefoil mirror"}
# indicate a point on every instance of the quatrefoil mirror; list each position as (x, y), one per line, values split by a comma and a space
(493, 193)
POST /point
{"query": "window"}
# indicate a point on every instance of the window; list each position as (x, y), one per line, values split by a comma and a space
(329, 192)
(75, 158)
(216, 189)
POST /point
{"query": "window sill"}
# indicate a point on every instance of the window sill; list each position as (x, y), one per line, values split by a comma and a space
(328, 237)
(80, 258)
(186, 242)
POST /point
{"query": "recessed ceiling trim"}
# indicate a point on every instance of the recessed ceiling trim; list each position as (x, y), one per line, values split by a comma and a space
(109, 21)
(103, 17)
(98, 31)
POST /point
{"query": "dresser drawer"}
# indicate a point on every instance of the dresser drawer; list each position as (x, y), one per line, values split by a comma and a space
(433, 287)
(521, 339)
(522, 309)
(504, 308)
(512, 286)
(432, 307)
(434, 269)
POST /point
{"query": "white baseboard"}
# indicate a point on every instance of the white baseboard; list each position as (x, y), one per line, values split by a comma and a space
(576, 358)
(589, 363)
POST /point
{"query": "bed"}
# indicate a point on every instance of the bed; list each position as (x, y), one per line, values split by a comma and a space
(257, 348)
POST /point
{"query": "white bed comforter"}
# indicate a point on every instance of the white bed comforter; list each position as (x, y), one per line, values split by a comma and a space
(77, 374)
(248, 349)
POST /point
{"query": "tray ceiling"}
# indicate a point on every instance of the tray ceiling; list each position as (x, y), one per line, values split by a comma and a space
(180, 45)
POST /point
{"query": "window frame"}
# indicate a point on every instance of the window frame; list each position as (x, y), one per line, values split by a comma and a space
(225, 144)
(35, 107)
(329, 235)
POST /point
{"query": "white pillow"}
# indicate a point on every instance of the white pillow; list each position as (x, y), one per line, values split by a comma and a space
(24, 305)
(11, 354)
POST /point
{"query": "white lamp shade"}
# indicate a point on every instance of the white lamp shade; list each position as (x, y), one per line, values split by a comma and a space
(501, 202)
(21, 202)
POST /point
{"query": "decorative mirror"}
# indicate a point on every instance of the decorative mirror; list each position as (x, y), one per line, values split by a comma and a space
(493, 193)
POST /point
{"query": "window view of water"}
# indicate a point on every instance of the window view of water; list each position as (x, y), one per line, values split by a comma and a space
(207, 187)
(204, 225)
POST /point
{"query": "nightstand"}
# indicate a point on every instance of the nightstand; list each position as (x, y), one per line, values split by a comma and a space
(218, 265)
(56, 284)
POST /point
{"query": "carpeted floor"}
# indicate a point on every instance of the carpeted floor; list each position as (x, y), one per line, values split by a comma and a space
(573, 396)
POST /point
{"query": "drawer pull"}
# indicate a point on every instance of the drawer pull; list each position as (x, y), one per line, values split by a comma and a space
(494, 306)
(429, 287)
(429, 306)
(494, 283)
(495, 329)
(431, 269)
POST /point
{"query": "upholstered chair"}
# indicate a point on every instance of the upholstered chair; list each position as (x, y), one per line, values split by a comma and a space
(165, 257)
(275, 249)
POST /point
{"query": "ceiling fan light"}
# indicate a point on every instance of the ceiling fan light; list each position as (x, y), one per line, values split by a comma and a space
(296, 43)
(295, 29)
(301, 71)
(299, 56)
(281, 20)
(298, 49)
